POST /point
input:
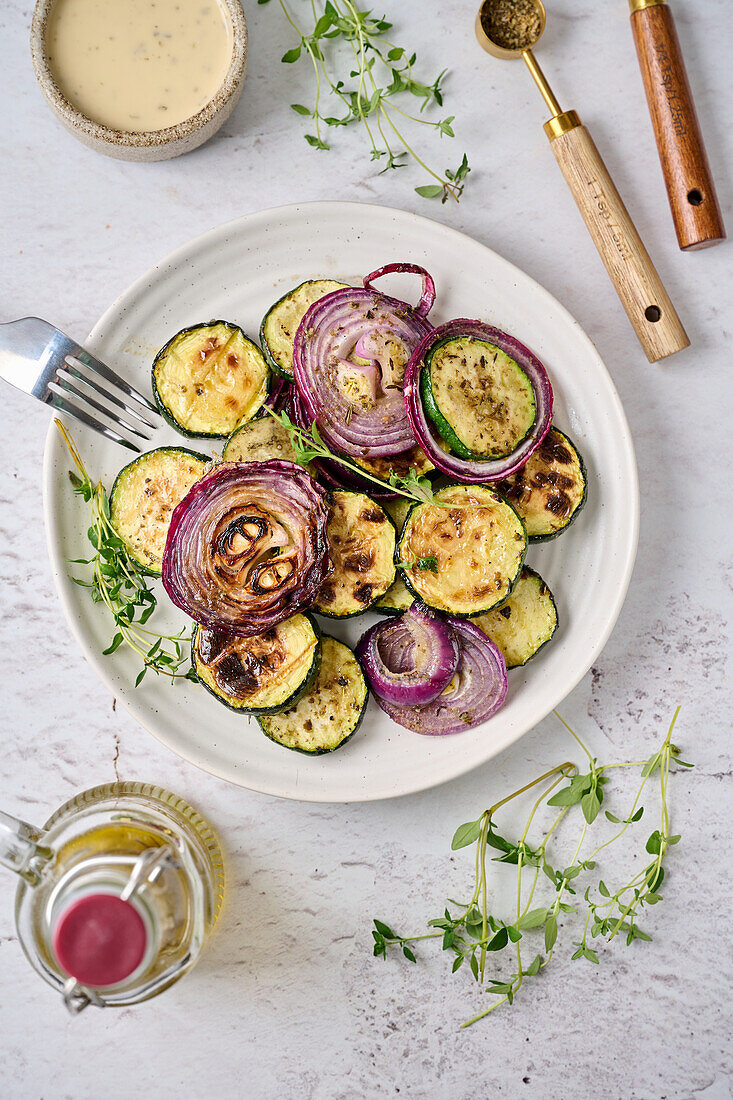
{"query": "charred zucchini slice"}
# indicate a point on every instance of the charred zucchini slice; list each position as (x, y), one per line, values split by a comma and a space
(463, 552)
(258, 441)
(361, 544)
(280, 323)
(395, 600)
(525, 622)
(382, 467)
(398, 597)
(143, 497)
(209, 378)
(478, 397)
(331, 712)
(550, 489)
(263, 674)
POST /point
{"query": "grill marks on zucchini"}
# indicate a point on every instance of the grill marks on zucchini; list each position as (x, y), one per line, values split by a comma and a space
(262, 674)
(330, 712)
(259, 441)
(143, 498)
(210, 378)
(280, 323)
(550, 489)
(361, 540)
(525, 622)
(478, 542)
(478, 397)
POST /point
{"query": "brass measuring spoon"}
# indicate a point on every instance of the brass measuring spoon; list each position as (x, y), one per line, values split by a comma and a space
(614, 234)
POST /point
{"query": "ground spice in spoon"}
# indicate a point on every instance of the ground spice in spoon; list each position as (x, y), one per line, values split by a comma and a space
(511, 24)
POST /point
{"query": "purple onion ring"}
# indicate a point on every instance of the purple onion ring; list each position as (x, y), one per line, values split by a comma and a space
(247, 546)
(409, 661)
(359, 407)
(476, 692)
(474, 471)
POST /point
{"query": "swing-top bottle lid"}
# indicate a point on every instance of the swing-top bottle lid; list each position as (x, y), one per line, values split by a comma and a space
(99, 939)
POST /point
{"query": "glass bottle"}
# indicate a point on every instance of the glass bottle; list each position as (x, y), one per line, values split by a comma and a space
(120, 890)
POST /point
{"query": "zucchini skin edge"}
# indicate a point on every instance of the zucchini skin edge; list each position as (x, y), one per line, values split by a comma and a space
(253, 712)
(539, 649)
(583, 499)
(265, 347)
(163, 409)
(370, 606)
(483, 610)
(443, 426)
(357, 724)
(171, 447)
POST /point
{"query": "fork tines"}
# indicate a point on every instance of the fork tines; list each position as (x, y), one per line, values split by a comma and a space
(75, 390)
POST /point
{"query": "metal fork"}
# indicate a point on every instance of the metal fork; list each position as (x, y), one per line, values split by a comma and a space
(42, 361)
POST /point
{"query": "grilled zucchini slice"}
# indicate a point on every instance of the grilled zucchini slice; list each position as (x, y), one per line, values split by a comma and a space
(262, 674)
(361, 544)
(280, 323)
(463, 552)
(478, 397)
(398, 597)
(210, 378)
(258, 441)
(525, 622)
(331, 712)
(143, 497)
(382, 467)
(550, 489)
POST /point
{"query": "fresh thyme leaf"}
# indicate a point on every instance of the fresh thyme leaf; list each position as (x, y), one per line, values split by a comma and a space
(342, 37)
(427, 564)
(118, 582)
(466, 834)
(607, 909)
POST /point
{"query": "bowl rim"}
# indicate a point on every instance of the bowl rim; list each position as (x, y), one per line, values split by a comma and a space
(133, 139)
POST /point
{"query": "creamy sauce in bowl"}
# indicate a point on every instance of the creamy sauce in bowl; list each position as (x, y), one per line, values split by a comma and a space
(138, 65)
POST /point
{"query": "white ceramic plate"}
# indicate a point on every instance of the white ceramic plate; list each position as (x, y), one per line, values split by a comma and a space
(236, 271)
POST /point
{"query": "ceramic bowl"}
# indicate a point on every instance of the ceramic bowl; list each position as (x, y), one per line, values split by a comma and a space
(145, 145)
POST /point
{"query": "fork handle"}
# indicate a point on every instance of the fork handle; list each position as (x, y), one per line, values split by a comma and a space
(694, 204)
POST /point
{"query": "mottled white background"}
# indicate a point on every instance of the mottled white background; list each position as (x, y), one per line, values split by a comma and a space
(288, 1001)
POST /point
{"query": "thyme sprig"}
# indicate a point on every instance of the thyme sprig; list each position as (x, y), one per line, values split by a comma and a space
(381, 73)
(119, 583)
(309, 445)
(471, 931)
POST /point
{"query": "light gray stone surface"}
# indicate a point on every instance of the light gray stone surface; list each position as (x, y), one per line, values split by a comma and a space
(288, 1001)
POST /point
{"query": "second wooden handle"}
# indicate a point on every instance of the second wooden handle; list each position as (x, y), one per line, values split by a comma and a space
(637, 283)
(695, 211)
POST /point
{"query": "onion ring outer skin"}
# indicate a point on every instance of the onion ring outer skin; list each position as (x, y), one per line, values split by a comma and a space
(427, 298)
(361, 424)
(477, 691)
(247, 546)
(395, 672)
(473, 471)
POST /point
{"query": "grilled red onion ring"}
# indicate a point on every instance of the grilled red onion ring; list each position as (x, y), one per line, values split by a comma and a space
(349, 356)
(475, 693)
(411, 660)
(247, 546)
(474, 471)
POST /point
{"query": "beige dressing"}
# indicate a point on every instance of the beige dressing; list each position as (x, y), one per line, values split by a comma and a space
(139, 64)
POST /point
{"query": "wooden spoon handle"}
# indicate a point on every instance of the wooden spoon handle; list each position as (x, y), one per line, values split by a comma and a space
(695, 210)
(637, 283)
